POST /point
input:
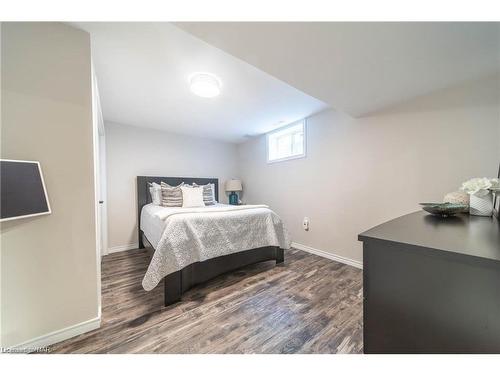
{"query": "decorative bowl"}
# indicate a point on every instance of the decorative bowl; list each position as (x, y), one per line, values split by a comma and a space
(444, 209)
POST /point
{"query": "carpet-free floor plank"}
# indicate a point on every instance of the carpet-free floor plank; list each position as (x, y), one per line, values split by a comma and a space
(307, 305)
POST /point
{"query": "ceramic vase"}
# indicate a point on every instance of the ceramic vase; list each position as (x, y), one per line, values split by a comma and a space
(481, 206)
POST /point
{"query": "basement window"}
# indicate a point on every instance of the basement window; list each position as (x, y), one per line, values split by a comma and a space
(287, 143)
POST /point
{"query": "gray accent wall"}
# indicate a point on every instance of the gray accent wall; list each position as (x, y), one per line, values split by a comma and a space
(136, 151)
(361, 172)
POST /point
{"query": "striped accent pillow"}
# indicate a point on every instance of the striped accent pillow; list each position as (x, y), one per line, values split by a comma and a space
(171, 196)
(208, 194)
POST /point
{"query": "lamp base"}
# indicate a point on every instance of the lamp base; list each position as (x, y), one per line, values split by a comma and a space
(233, 198)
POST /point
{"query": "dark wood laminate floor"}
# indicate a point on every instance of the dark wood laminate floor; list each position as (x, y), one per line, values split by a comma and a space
(308, 305)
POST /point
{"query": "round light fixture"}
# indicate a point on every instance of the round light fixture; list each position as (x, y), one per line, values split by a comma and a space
(205, 85)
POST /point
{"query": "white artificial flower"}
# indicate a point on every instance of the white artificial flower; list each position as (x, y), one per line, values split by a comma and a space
(480, 186)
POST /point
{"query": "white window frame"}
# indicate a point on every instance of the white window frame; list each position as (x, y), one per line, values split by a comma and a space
(300, 156)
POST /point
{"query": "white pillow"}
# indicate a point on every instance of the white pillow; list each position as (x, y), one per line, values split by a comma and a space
(155, 191)
(192, 196)
(209, 199)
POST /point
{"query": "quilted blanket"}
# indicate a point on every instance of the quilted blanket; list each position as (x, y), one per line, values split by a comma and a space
(198, 234)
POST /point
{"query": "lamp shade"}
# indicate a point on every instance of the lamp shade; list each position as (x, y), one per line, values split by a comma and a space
(233, 185)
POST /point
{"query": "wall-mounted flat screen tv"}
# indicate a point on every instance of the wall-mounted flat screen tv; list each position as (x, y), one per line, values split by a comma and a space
(22, 190)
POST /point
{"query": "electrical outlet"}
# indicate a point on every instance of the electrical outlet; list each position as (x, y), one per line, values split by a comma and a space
(305, 223)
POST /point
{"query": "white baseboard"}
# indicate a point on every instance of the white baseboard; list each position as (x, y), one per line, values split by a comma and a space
(58, 336)
(326, 254)
(116, 249)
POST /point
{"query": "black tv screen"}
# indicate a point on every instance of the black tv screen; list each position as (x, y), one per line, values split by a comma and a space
(22, 190)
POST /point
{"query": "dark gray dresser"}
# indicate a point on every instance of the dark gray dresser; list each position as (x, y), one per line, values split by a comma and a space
(432, 285)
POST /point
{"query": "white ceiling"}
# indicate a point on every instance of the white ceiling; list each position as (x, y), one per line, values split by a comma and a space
(360, 68)
(143, 69)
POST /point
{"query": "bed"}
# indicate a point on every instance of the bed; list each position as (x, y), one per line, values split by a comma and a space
(191, 246)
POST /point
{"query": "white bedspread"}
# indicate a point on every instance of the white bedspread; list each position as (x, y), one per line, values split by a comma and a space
(190, 235)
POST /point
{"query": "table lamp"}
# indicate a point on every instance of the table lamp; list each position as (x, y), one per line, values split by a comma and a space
(233, 186)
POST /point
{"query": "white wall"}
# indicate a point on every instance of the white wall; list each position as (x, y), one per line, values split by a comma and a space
(49, 263)
(361, 172)
(133, 151)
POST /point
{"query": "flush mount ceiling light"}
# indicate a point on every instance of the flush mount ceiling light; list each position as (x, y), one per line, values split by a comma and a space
(205, 85)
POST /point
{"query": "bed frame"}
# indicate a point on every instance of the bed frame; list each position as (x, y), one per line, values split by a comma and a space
(175, 284)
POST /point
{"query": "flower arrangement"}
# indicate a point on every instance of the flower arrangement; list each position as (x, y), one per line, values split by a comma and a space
(480, 187)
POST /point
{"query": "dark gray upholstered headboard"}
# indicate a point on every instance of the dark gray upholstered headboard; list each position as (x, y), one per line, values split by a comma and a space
(143, 196)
